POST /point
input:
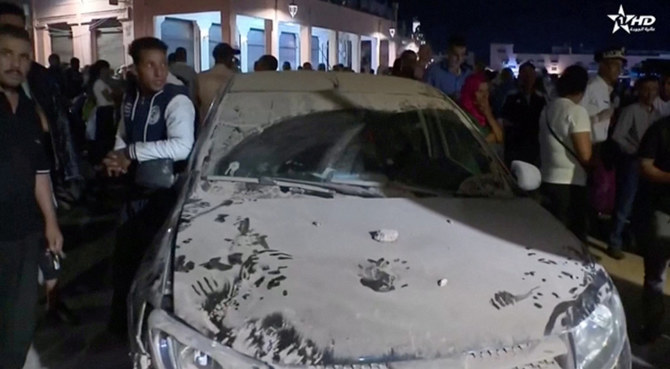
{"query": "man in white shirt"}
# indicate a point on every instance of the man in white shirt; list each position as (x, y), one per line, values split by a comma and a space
(565, 150)
(183, 71)
(662, 102)
(597, 99)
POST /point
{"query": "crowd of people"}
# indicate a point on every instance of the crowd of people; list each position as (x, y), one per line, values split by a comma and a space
(603, 148)
(68, 130)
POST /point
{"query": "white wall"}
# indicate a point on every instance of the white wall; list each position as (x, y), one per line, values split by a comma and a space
(77, 11)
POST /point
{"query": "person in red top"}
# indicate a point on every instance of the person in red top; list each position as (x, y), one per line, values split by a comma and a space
(475, 101)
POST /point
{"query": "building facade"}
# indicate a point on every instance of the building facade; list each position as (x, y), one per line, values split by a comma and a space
(356, 34)
(504, 56)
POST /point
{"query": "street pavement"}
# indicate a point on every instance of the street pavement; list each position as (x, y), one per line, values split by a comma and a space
(86, 289)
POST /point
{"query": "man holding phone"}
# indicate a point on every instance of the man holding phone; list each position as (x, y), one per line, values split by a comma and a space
(27, 214)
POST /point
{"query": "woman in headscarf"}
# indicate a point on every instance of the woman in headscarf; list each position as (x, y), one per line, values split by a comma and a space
(475, 101)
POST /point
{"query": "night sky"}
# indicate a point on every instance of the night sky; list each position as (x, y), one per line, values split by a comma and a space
(537, 25)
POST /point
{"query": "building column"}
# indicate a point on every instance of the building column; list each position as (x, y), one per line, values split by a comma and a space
(333, 49)
(82, 44)
(393, 49)
(356, 53)
(232, 36)
(128, 30)
(243, 29)
(228, 23)
(158, 22)
(142, 20)
(375, 57)
(42, 45)
(306, 45)
(204, 26)
(272, 43)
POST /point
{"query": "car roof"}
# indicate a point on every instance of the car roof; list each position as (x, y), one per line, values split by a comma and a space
(306, 81)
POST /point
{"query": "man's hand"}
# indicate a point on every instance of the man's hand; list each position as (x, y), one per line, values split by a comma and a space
(117, 163)
(652, 173)
(54, 238)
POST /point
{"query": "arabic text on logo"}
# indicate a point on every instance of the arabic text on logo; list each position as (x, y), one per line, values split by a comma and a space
(632, 23)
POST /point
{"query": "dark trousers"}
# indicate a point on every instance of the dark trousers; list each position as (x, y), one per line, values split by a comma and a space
(105, 133)
(627, 177)
(652, 231)
(18, 298)
(141, 220)
(568, 203)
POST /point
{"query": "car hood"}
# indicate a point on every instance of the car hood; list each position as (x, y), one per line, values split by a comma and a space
(305, 280)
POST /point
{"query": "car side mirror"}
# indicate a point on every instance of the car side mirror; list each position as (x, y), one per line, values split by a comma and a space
(528, 176)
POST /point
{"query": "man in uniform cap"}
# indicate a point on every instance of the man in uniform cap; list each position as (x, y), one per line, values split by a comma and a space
(598, 104)
(597, 97)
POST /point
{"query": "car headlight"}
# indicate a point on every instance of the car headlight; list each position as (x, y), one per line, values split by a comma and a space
(176, 355)
(175, 345)
(600, 341)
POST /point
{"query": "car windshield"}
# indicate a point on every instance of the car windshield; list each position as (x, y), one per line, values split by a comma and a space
(428, 152)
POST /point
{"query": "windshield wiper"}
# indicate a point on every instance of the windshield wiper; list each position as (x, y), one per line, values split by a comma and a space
(320, 189)
(393, 185)
(344, 189)
(297, 187)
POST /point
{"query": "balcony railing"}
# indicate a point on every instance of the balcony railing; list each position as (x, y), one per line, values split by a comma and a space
(381, 8)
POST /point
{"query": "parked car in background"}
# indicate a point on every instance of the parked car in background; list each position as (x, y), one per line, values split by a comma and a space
(336, 220)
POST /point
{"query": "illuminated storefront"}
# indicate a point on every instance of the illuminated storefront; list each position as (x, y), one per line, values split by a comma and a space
(319, 31)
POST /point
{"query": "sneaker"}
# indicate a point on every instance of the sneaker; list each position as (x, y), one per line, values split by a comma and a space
(616, 253)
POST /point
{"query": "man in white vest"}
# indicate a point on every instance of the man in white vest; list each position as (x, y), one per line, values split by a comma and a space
(597, 99)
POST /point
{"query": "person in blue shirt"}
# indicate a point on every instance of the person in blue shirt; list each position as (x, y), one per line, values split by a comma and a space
(448, 75)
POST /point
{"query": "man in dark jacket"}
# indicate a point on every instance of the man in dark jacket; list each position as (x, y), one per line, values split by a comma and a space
(652, 223)
(521, 113)
(158, 123)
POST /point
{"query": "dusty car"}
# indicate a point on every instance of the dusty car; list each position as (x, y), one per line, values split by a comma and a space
(352, 221)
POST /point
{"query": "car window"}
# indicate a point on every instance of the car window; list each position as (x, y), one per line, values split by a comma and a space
(420, 148)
